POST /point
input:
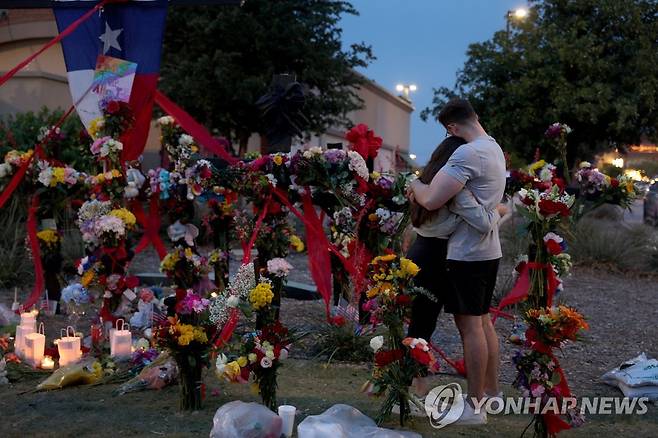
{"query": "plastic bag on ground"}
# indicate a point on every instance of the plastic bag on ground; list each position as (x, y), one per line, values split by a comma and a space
(637, 377)
(82, 373)
(162, 372)
(343, 421)
(238, 419)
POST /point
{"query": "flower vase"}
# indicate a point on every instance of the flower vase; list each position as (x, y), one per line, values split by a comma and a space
(190, 381)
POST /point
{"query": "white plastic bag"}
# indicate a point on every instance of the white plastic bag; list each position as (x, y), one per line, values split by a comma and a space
(343, 421)
(637, 377)
(238, 419)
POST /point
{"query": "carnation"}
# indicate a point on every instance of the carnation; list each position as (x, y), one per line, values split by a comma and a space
(165, 121)
(278, 267)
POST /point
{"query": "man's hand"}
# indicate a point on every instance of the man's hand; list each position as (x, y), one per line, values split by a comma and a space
(441, 190)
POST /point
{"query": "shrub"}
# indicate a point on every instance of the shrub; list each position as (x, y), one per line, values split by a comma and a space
(15, 268)
(595, 242)
(346, 343)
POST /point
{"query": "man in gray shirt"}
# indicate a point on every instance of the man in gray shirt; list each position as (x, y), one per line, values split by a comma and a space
(473, 258)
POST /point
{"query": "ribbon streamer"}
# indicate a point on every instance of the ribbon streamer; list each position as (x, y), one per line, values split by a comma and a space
(37, 290)
(151, 224)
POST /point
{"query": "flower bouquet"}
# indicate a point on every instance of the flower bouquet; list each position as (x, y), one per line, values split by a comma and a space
(184, 266)
(598, 188)
(397, 360)
(539, 373)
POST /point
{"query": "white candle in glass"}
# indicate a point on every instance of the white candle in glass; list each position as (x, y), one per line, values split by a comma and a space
(47, 363)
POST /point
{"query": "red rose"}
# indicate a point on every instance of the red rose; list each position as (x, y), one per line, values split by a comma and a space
(548, 207)
(385, 357)
(553, 247)
(403, 300)
(364, 141)
(614, 182)
(112, 107)
(559, 182)
(337, 321)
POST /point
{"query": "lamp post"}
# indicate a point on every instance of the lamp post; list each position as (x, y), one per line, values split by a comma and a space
(406, 90)
(518, 14)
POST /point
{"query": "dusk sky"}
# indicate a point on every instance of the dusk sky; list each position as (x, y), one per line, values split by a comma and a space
(423, 42)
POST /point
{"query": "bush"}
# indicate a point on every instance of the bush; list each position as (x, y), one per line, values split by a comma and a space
(16, 265)
(21, 131)
(596, 242)
(345, 343)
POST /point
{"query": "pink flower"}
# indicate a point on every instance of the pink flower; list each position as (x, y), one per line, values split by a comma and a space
(537, 390)
(96, 145)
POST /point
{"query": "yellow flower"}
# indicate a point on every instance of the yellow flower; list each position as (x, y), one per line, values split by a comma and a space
(188, 253)
(408, 268)
(95, 126)
(49, 237)
(296, 243)
(87, 278)
(252, 357)
(58, 176)
(372, 217)
(375, 175)
(261, 295)
(534, 167)
(385, 258)
(126, 216)
(242, 361)
(232, 370)
(278, 160)
(169, 262)
(116, 173)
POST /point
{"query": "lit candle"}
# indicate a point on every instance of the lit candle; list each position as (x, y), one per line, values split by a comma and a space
(35, 344)
(121, 340)
(47, 363)
(69, 347)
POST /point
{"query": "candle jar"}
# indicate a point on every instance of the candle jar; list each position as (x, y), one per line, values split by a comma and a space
(35, 344)
(68, 347)
(120, 340)
(47, 363)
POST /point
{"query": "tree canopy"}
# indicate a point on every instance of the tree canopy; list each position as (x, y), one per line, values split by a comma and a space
(588, 63)
(217, 62)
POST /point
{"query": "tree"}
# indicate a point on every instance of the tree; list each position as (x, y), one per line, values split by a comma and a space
(218, 61)
(588, 63)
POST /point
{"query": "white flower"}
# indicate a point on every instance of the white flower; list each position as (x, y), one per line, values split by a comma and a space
(358, 164)
(185, 140)
(269, 354)
(553, 236)
(46, 176)
(266, 362)
(311, 152)
(220, 363)
(278, 267)
(271, 179)
(233, 301)
(5, 170)
(165, 120)
(376, 343)
(585, 165)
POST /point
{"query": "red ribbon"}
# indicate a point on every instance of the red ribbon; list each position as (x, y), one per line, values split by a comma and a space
(151, 226)
(194, 128)
(522, 286)
(458, 365)
(37, 290)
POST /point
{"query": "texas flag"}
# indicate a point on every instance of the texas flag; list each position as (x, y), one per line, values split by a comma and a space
(128, 30)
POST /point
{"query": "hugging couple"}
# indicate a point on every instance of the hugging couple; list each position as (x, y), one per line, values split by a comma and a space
(455, 212)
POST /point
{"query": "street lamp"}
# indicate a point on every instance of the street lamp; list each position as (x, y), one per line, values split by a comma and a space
(518, 14)
(406, 90)
(412, 156)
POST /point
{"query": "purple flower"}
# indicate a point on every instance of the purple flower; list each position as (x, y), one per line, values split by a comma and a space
(553, 131)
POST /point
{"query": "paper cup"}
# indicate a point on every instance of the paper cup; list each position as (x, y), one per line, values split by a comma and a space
(287, 414)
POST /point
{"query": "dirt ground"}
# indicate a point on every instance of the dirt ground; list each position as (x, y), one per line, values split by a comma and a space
(621, 310)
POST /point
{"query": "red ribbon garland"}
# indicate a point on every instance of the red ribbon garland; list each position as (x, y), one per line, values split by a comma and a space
(194, 128)
(37, 290)
(151, 226)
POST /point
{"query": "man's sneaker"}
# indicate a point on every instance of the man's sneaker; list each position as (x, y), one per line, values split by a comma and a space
(469, 417)
(414, 410)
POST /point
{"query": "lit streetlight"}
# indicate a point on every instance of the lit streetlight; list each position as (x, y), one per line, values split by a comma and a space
(406, 90)
(518, 14)
(412, 156)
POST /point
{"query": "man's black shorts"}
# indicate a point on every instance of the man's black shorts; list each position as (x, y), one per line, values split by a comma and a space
(473, 285)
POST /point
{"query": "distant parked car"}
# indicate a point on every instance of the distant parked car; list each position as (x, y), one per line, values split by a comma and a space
(651, 205)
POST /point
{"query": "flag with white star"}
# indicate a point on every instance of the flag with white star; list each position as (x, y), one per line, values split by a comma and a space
(132, 31)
